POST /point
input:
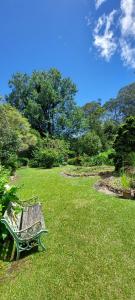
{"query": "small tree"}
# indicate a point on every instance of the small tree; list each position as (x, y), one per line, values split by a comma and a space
(125, 144)
(90, 144)
(15, 136)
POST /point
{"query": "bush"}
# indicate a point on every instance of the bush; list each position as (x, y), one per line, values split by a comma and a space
(48, 158)
(23, 161)
(11, 163)
(90, 144)
(51, 153)
(124, 145)
(106, 157)
(7, 194)
(103, 158)
(76, 161)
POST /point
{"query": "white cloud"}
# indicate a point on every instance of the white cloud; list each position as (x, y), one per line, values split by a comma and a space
(121, 38)
(127, 26)
(127, 20)
(104, 37)
(127, 54)
(98, 3)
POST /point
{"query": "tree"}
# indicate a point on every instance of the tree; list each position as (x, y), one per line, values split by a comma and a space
(90, 144)
(47, 100)
(123, 105)
(15, 134)
(94, 112)
(124, 144)
(110, 130)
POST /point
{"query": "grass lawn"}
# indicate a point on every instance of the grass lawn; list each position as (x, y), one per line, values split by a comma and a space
(90, 245)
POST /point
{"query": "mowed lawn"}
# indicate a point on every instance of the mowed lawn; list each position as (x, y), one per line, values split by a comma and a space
(90, 244)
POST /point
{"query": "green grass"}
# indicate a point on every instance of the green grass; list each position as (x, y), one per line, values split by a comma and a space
(90, 245)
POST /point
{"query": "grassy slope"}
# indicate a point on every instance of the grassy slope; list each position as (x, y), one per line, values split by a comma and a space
(90, 246)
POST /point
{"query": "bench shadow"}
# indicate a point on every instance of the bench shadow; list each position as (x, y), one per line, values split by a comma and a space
(8, 251)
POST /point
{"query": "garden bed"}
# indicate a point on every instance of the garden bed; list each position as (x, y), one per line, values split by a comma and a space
(113, 185)
(88, 171)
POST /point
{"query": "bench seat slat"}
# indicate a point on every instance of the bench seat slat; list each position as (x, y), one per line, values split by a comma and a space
(31, 215)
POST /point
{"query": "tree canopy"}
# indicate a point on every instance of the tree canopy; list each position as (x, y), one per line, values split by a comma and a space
(47, 100)
(123, 105)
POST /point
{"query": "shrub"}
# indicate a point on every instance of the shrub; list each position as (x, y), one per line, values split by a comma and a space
(90, 144)
(126, 182)
(76, 161)
(48, 158)
(106, 157)
(11, 163)
(103, 158)
(124, 144)
(130, 159)
(23, 161)
(51, 153)
(7, 194)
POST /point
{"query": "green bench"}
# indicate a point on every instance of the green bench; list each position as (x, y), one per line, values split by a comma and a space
(26, 225)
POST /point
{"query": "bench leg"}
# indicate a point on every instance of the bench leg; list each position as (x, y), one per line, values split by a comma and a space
(18, 253)
(41, 244)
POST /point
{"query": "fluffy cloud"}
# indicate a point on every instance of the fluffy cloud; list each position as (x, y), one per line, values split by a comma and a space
(127, 20)
(98, 3)
(127, 54)
(107, 43)
(104, 39)
(127, 26)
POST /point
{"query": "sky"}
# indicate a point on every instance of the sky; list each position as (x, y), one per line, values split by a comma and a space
(90, 41)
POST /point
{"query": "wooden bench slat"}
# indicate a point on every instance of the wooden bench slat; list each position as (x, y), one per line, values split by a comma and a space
(31, 214)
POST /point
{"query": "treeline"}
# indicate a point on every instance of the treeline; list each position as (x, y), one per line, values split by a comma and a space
(41, 124)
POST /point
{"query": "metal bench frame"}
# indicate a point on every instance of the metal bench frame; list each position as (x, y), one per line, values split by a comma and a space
(30, 240)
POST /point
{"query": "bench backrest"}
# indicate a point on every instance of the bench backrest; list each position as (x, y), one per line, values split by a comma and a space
(12, 218)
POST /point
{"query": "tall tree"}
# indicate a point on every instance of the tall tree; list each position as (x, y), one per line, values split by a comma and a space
(123, 105)
(47, 100)
(94, 112)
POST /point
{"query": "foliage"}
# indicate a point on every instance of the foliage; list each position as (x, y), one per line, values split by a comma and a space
(15, 136)
(130, 159)
(77, 161)
(123, 105)
(46, 158)
(23, 161)
(124, 144)
(110, 128)
(51, 152)
(126, 182)
(103, 158)
(47, 100)
(90, 144)
(94, 112)
(7, 192)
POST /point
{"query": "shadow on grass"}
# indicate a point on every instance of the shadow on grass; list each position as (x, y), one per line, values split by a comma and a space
(8, 251)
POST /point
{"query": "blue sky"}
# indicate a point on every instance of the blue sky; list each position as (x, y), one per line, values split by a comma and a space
(92, 41)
